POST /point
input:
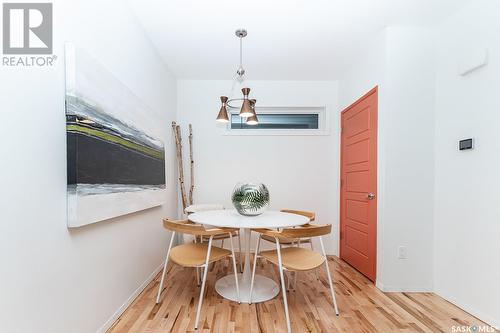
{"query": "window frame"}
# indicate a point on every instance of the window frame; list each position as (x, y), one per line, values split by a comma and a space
(323, 122)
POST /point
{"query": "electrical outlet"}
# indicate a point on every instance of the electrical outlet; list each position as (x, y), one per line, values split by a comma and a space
(402, 252)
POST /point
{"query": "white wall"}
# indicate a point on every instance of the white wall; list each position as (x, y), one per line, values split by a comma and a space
(400, 61)
(366, 71)
(435, 200)
(467, 223)
(408, 128)
(54, 279)
(301, 171)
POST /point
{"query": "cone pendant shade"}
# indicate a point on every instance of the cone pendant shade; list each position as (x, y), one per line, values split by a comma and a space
(252, 120)
(246, 108)
(223, 116)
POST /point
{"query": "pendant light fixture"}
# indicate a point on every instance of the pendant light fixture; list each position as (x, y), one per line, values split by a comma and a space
(253, 120)
(222, 116)
(247, 110)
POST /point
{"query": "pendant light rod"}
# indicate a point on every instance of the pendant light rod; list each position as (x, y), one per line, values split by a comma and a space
(241, 52)
(241, 33)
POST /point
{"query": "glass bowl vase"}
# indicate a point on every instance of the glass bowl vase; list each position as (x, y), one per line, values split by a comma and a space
(250, 199)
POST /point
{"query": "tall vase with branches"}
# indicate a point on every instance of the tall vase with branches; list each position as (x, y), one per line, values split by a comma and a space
(186, 198)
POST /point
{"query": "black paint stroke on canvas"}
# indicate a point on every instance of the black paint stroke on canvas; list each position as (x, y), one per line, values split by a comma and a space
(103, 150)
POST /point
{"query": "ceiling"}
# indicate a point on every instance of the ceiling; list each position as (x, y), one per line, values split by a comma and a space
(287, 39)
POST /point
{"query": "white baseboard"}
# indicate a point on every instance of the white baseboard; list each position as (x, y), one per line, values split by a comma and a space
(488, 319)
(129, 301)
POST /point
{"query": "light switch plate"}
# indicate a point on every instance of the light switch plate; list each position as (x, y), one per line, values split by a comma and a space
(402, 252)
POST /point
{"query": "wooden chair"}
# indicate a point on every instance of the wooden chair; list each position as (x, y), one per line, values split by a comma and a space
(206, 207)
(294, 241)
(294, 258)
(222, 237)
(198, 255)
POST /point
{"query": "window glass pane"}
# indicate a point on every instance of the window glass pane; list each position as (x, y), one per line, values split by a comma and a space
(278, 121)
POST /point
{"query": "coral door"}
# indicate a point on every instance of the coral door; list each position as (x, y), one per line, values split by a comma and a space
(358, 191)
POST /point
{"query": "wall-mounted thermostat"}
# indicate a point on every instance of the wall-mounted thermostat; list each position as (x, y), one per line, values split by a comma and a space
(466, 144)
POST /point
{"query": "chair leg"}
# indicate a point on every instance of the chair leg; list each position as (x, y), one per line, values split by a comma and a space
(165, 267)
(329, 277)
(202, 291)
(198, 276)
(222, 246)
(235, 269)
(285, 302)
(256, 254)
(295, 273)
(312, 249)
(197, 268)
(239, 253)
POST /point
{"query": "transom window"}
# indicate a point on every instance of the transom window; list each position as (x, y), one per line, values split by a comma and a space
(282, 120)
(278, 121)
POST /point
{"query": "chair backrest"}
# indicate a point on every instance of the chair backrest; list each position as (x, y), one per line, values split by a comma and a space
(188, 227)
(310, 215)
(308, 230)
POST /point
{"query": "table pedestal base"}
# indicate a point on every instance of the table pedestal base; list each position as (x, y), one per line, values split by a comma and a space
(264, 288)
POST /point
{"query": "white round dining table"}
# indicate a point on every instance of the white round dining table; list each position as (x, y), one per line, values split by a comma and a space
(264, 288)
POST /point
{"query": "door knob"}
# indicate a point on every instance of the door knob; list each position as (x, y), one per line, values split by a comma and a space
(370, 196)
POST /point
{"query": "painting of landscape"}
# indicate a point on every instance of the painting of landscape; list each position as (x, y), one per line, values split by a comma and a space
(115, 166)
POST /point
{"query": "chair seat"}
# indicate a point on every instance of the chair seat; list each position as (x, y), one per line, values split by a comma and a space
(295, 258)
(285, 241)
(195, 254)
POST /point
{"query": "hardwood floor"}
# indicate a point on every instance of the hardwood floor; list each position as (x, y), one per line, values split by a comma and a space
(363, 308)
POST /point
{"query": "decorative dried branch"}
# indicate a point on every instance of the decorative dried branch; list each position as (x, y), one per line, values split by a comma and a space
(191, 165)
(178, 144)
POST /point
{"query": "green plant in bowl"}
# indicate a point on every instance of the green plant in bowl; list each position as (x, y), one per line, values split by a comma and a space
(250, 199)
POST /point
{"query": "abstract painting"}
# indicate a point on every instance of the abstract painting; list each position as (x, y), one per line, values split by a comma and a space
(115, 163)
